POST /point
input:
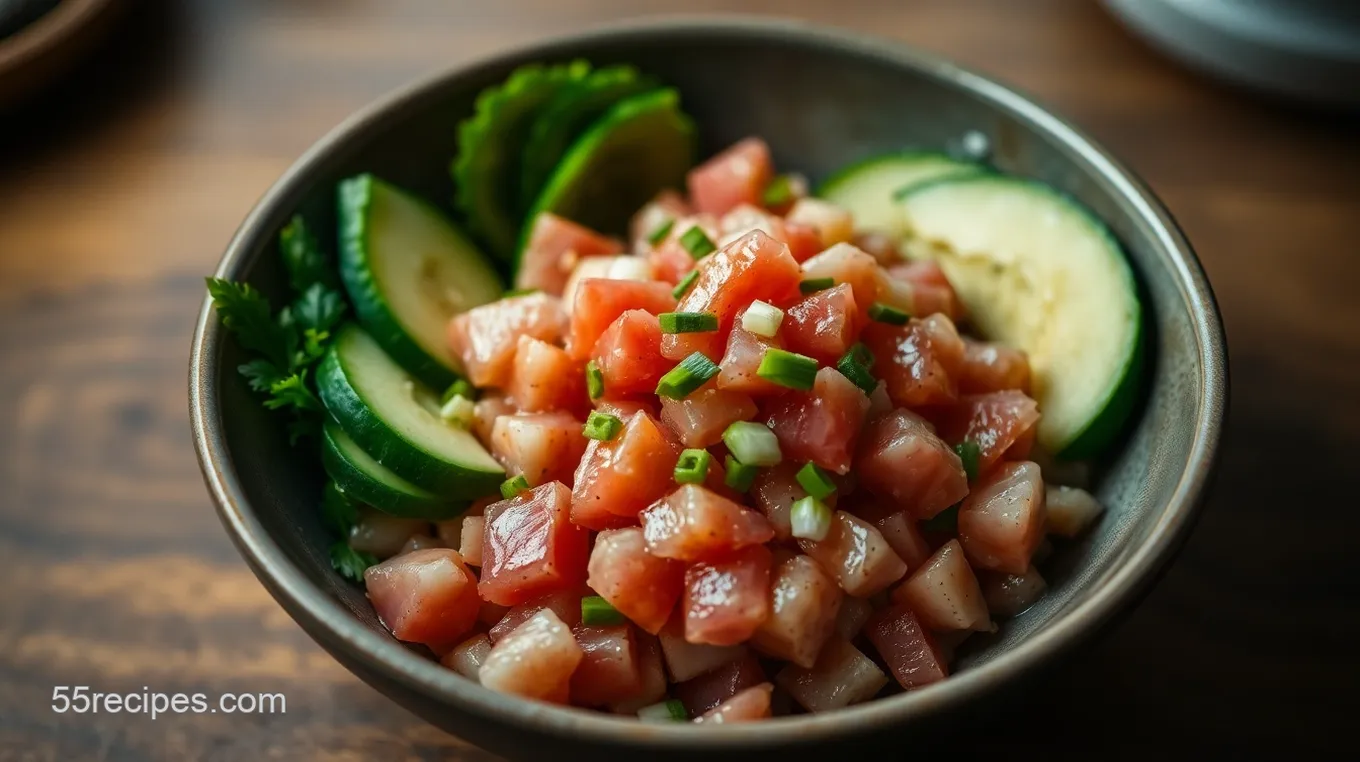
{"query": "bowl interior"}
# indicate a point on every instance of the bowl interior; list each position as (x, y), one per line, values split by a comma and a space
(821, 101)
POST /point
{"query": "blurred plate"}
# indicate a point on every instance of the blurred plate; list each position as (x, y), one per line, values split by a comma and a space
(1307, 49)
(46, 48)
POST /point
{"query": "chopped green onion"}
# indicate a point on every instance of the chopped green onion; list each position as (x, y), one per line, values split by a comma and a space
(882, 313)
(697, 242)
(813, 285)
(810, 519)
(661, 231)
(594, 380)
(851, 366)
(779, 192)
(740, 476)
(602, 426)
(513, 486)
(518, 292)
(762, 319)
(944, 521)
(787, 369)
(682, 287)
(692, 468)
(692, 372)
(688, 322)
(753, 444)
(597, 612)
(815, 481)
(459, 411)
(666, 711)
(459, 388)
(969, 452)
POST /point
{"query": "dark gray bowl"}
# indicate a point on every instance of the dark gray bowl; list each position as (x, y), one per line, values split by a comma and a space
(821, 99)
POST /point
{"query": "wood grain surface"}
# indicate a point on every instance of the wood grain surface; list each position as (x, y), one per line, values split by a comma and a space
(119, 190)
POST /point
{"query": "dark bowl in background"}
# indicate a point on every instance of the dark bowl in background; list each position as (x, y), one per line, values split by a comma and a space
(822, 99)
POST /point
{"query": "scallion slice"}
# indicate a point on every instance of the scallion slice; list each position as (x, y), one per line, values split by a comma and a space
(597, 612)
(514, 292)
(697, 242)
(513, 486)
(692, 372)
(969, 452)
(779, 192)
(692, 468)
(753, 444)
(813, 285)
(787, 369)
(688, 322)
(882, 313)
(740, 476)
(602, 426)
(762, 319)
(459, 411)
(661, 231)
(459, 388)
(683, 286)
(815, 481)
(594, 380)
(852, 368)
(810, 519)
(666, 711)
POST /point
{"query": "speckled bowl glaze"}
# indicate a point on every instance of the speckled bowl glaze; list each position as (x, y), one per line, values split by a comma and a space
(822, 99)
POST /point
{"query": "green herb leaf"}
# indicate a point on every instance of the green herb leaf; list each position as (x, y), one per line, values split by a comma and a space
(318, 308)
(307, 265)
(245, 312)
(351, 563)
(261, 374)
(293, 391)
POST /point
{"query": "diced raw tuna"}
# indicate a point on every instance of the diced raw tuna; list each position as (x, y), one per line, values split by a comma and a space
(686, 660)
(900, 459)
(726, 600)
(429, 596)
(753, 267)
(652, 683)
(666, 208)
(1009, 594)
(719, 684)
(485, 413)
(853, 614)
(944, 593)
(739, 363)
(1070, 510)
(899, 529)
(748, 706)
(555, 246)
(839, 677)
(623, 267)
(382, 534)
(734, 177)
(994, 422)
(484, 338)
(642, 586)
(535, 660)
(822, 325)
(531, 547)
(610, 669)
(931, 290)
(1002, 520)
(906, 647)
(804, 241)
(916, 361)
(546, 378)
(833, 224)
(700, 419)
(847, 264)
(545, 447)
(693, 523)
(745, 218)
(775, 490)
(470, 541)
(425, 542)
(618, 478)
(628, 355)
(466, 658)
(565, 605)
(989, 367)
(599, 302)
(855, 553)
(823, 425)
(804, 603)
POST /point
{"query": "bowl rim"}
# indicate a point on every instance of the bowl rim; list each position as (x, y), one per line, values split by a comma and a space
(318, 612)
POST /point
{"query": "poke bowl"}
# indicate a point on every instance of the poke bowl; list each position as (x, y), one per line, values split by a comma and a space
(705, 387)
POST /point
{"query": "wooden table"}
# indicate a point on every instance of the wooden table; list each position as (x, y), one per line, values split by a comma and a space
(119, 191)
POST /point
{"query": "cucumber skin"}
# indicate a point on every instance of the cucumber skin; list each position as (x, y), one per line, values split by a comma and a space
(359, 485)
(841, 175)
(405, 459)
(353, 197)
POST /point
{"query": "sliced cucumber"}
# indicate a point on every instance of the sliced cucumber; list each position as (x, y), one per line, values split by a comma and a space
(1039, 272)
(395, 419)
(870, 189)
(368, 481)
(639, 147)
(567, 116)
(408, 270)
